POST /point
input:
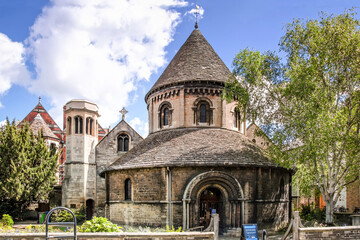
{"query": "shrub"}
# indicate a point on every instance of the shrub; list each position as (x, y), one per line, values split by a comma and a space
(7, 221)
(65, 216)
(172, 229)
(99, 224)
(308, 213)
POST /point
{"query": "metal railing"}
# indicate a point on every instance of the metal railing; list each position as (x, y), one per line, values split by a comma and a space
(47, 222)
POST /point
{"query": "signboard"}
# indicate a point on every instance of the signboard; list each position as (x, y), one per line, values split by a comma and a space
(213, 211)
(250, 232)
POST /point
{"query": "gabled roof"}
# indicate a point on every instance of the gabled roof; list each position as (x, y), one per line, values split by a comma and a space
(39, 109)
(38, 124)
(123, 125)
(189, 147)
(196, 60)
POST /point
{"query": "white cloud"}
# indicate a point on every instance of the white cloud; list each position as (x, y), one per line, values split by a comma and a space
(99, 50)
(2, 123)
(198, 9)
(12, 66)
(142, 127)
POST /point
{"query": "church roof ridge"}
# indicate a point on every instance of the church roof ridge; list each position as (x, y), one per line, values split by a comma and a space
(123, 121)
(196, 60)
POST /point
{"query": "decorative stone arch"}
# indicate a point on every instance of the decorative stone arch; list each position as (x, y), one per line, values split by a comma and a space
(229, 187)
(208, 105)
(161, 113)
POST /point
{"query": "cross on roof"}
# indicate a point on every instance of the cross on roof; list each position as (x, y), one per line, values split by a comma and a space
(196, 15)
(123, 112)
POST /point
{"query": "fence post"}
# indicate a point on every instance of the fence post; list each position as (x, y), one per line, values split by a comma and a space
(296, 225)
(216, 226)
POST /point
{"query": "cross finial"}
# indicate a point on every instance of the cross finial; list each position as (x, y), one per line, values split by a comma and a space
(39, 99)
(123, 112)
(196, 16)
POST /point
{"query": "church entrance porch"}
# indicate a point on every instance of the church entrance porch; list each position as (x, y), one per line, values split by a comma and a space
(213, 192)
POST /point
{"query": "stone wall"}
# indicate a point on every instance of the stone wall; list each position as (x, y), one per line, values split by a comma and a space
(182, 101)
(116, 236)
(330, 233)
(261, 198)
(106, 154)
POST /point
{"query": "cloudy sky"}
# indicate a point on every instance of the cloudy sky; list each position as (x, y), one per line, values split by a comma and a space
(111, 52)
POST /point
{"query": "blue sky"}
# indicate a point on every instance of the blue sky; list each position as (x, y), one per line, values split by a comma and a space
(111, 52)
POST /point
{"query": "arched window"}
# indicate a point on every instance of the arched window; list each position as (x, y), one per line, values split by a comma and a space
(128, 189)
(69, 125)
(165, 111)
(166, 116)
(78, 125)
(123, 143)
(237, 118)
(202, 111)
(89, 125)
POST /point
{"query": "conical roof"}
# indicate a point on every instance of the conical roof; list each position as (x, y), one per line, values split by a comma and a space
(195, 61)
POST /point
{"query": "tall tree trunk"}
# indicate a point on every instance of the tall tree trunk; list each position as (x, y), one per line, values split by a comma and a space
(329, 211)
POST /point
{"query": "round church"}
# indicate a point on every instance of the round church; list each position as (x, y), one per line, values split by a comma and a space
(198, 158)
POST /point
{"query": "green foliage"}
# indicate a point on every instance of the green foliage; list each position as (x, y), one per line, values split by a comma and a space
(7, 221)
(65, 216)
(308, 104)
(308, 213)
(173, 229)
(99, 224)
(27, 168)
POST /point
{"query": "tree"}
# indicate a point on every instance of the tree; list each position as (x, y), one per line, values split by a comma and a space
(309, 101)
(27, 168)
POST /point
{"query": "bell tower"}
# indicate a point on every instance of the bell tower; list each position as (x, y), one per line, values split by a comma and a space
(79, 186)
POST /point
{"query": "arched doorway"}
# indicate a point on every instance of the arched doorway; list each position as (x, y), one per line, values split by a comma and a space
(210, 202)
(227, 198)
(89, 209)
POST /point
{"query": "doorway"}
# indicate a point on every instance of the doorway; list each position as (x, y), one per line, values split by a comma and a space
(89, 209)
(210, 203)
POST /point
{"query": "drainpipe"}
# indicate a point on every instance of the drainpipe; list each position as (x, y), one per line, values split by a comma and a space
(169, 194)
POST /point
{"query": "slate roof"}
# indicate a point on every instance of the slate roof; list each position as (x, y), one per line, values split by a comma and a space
(39, 109)
(193, 147)
(196, 60)
(38, 124)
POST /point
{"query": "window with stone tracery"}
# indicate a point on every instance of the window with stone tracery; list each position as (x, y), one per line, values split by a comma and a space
(78, 125)
(123, 143)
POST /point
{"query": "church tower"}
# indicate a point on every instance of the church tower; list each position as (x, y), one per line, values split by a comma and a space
(81, 129)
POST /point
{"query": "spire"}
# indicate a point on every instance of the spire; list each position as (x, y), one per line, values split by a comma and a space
(39, 99)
